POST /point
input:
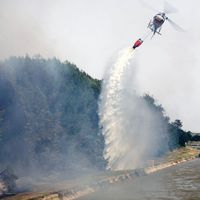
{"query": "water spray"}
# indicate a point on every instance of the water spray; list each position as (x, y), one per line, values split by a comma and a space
(132, 130)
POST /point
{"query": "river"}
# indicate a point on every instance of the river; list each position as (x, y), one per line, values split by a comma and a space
(181, 182)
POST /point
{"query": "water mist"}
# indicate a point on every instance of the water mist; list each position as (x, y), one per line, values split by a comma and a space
(132, 130)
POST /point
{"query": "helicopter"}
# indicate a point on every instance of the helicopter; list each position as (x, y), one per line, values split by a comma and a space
(155, 24)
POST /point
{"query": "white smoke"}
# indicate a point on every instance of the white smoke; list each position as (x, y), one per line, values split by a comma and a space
(132, 130)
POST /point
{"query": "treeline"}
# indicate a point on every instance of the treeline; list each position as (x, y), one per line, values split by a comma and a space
(177, 137)
(49, 118)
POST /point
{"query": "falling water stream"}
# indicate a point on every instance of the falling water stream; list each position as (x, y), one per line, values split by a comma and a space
(132, 130)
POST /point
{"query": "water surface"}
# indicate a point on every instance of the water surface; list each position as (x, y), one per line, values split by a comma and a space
(181, 182)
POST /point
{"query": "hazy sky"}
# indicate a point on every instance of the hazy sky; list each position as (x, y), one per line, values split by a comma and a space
(89, 32)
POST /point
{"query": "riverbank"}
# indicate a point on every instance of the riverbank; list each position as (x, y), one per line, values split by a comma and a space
(80, 188)
(173, 158)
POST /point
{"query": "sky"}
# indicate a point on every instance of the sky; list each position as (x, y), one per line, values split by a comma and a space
(89, 33)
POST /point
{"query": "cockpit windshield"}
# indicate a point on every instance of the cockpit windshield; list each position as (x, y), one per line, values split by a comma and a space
(158, 19)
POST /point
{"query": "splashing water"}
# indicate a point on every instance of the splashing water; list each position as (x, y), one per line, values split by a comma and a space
(130, 128)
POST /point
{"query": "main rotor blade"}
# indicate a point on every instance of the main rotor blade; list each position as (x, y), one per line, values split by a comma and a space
(146, 5)
(168, 8)
(175, 26)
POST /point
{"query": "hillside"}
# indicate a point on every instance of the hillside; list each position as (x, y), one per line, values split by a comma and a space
(48, 117)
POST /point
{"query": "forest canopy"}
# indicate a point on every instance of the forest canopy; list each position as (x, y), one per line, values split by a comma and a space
(49, 117)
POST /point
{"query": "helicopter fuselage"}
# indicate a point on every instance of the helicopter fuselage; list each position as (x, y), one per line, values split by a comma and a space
(156, 23)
